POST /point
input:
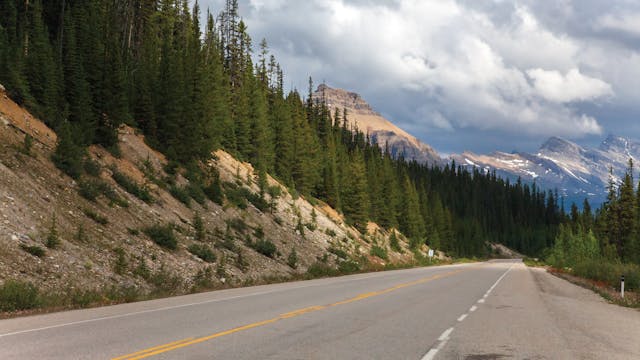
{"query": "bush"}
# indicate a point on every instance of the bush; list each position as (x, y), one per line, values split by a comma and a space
(181, 194)
(96, 217)
(91, 167)
(18, 295)
(238, 225)
(34, 250)
(120, 265)
(132, 187)
(265, 247)
(198, 228)
(196, 193)
(394, 243)
(214, 191)
(90, 189)
(235, 195)
(292, 259)
(609, 272)
(338, 252)
(162, 235)
(53, 239)
(203, 252)
(379, 252)
(319, 269)
(348, 267)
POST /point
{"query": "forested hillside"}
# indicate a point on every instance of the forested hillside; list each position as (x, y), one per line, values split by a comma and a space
(87, 67)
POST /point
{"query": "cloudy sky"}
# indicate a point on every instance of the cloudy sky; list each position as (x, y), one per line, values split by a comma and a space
(477, 75)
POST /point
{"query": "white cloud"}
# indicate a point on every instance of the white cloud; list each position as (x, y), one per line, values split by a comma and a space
(627, 23)
(574, 86)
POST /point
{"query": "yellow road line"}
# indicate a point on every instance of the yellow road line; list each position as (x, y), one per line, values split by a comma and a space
(191, 341)
(152, 349)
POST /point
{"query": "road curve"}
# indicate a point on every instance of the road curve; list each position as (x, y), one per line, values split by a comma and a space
(481, 310)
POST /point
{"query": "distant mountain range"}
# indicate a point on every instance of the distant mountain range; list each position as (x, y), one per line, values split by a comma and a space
(381, 130)
(576, 172)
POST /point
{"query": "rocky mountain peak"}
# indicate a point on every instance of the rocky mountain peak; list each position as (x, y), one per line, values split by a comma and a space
(341, 98)
(559, 145)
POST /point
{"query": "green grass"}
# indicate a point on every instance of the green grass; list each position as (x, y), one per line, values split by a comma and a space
(379, 252)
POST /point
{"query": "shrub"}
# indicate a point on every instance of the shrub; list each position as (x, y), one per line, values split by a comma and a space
(292, 259)
(237, 224)
(120, 265)
(96, 217)
(89, 189)
(196, 193)
(34, 250)
(330, 232)
(132, 187)
(53, 239)
(319, 269)
(348, 267)
(609, 272)
(214, 191)
(18, 295)
(162, 235)
(91, 167)
(27, 145)
(265, 247)
(258, 232)
(198, 228)
(338, 252)
(256, 200)
(393, 242)
(181, 194)
(235, 195)
(203, 252)
(379, 252)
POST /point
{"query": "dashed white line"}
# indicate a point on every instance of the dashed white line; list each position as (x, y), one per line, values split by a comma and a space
(444, 337)
(445, 334)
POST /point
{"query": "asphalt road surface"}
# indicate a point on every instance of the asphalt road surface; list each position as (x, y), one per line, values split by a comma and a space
(492, 310)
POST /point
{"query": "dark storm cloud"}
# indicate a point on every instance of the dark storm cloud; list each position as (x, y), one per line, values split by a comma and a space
(466, 74)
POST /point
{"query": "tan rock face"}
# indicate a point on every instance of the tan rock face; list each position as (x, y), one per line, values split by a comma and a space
(361, 115)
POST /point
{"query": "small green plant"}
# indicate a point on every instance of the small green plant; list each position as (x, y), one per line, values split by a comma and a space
(120, 264)
(181, 194)
(300, 227)
(27, 145)
(198, 228)
(379, 252)
(91, 167)
(142, 270)
(258, 232)
(330, 232)
(34, 250)
(214, 190)
(18, 295)
(96, 217)
(81, 235)
(394, 244)
(203, 279)
(241, 262)
(196, 193)
(141, 192)
(338, 252)
(265, 247)
(53, 239)
(202, 251)
(292, 259)
(162, 235)
(238, 225)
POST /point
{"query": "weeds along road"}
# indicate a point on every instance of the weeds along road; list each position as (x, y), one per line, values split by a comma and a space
(498, 309)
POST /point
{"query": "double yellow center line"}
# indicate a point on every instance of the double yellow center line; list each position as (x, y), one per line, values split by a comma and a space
(191, 341)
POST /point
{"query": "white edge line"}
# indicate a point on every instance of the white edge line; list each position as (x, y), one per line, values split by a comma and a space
(462, 317)
(473, 308)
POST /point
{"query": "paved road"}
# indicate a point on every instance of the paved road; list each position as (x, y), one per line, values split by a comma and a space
(490, 310)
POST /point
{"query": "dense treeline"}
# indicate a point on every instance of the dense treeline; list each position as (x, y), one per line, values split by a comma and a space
(87, 67)
(610, 234)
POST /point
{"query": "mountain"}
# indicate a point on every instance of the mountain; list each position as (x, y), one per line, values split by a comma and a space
(360, 115)
(577, 172)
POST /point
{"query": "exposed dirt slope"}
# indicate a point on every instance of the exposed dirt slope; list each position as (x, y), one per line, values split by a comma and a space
(103, 244)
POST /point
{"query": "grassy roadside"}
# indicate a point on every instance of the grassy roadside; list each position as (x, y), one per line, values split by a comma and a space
(602, 284)
(19, 298)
